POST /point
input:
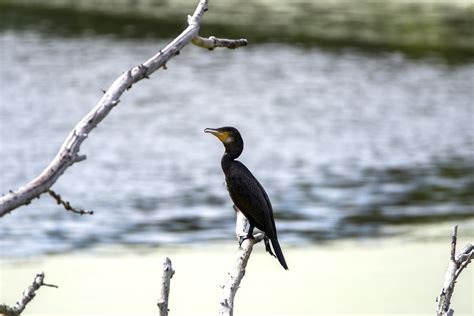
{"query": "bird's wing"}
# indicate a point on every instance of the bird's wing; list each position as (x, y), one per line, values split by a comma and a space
(270, 208)
(250, 197)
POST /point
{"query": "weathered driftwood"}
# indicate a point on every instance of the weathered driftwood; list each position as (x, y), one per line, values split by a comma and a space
(69, 152)
(28, 295)
(456, 265)
(168, 273)
(232, 283)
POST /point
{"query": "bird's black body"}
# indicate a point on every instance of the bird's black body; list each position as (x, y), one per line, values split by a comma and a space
(246, 192)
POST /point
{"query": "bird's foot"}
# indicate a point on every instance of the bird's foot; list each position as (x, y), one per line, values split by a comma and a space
(243, 238)
(267, 247)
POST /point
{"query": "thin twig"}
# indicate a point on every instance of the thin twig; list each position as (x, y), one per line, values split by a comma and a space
(67, 205)
(463, 264)
(28, 295)
(168, 273)
(456, 265)
(68, 154)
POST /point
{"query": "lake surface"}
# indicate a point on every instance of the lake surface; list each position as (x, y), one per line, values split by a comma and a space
(347, 145)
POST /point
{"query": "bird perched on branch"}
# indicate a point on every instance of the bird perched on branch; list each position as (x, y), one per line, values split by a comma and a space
(246, 192)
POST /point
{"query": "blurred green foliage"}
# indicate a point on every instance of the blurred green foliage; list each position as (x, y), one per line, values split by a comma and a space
(418, 28)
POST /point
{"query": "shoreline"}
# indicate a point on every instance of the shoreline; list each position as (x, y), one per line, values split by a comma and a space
(416, 28)
(387, 277)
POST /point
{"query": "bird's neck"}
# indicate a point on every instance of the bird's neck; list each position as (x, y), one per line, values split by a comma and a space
(227, 160)
(232, 152)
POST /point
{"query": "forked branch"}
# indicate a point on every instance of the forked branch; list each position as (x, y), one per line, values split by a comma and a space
(456, 265)
(28, 295)
(69, 152)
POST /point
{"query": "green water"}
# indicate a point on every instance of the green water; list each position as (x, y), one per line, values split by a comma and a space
(418, 28)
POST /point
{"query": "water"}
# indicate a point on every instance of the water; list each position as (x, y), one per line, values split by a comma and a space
(347, 145)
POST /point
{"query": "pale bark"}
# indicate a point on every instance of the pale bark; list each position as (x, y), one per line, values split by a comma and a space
(27, 296)
(455, 266)
(232, 283)
(168, 273)
(69, 152)
(213, 42)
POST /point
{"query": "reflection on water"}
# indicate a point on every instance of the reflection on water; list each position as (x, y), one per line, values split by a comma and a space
(346, 145)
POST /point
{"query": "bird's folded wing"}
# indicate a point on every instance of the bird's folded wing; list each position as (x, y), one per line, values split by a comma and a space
(250, 197)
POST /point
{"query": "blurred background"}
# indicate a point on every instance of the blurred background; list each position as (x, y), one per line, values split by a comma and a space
(356, 116)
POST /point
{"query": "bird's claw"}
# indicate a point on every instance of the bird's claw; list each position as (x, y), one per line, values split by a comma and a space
(243, 238)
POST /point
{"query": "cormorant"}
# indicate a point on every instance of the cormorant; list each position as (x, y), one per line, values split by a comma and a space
(246, 192)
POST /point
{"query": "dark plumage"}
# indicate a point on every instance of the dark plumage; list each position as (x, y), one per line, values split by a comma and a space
(245, 191)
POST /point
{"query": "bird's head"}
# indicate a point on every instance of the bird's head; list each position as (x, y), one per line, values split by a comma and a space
(231, 139)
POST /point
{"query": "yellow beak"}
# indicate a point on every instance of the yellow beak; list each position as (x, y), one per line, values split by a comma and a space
(221, 135)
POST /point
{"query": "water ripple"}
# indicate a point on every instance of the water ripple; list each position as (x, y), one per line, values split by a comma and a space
(347, 145)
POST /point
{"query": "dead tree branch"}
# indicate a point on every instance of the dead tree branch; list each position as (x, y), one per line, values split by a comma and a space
(456, 265)
(231, 285)
(28, 295)
(69, 152)
(67, 205)
(213, 42)
(168, 273)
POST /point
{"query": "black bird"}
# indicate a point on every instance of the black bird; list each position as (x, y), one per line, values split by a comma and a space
(246, 192)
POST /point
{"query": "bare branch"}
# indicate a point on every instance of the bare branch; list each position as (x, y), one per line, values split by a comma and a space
(456, 265)
(454, 240)
(467, 256)
(69, 152)
(213, 42)
(168, 273)
(67, 205)
(28, 295)
(231, 285)
(465, 253)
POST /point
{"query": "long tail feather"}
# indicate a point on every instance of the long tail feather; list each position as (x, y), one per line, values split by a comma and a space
(279, 253)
